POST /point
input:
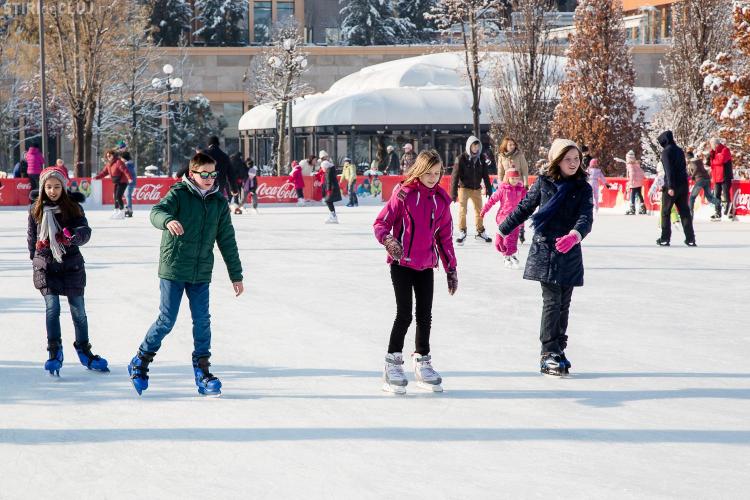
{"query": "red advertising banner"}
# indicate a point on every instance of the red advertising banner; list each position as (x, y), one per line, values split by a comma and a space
(148, 191)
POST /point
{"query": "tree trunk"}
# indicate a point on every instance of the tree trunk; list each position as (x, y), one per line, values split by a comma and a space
(476, 88)
(281, 152)
(78, 146)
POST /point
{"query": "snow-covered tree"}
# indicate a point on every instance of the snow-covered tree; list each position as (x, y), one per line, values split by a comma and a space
(411, 24)
(727, 79)
(194, 123)
(701, 30)
(368, 22)
(170, 21)
(276, 78)
(478, 22)
(597, 103)
(220, 22)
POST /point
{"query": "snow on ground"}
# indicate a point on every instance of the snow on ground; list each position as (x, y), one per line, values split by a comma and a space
(659, 406)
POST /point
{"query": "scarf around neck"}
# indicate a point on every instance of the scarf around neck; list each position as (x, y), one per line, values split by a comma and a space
(545, 213)
(49, 229)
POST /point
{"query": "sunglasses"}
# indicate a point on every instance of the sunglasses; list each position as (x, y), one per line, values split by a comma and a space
(206, 175)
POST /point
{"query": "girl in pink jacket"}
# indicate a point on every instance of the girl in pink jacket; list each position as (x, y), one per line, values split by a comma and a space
(634, 186)
(596, 179)
(416, 229)
(509, 194)
(299, 183)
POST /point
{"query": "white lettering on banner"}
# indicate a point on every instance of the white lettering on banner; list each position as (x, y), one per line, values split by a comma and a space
(284, 192)
(23, 185)
(741, 200)
(149, 192)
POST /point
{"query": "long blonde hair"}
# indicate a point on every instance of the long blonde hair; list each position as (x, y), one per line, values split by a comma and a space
(424, 162)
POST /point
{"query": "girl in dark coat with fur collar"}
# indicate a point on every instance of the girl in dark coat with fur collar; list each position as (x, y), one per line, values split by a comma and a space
(57, 227)
(565, 215)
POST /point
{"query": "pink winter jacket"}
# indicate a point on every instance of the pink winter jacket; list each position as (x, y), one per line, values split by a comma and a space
(420, 219)
(34, 160)
(508, 196)
(635, 174)
(296, 178)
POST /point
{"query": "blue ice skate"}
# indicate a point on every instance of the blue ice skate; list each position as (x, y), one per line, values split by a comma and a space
(90, 360)
(138, 370)
(55, 361)
(208, 385)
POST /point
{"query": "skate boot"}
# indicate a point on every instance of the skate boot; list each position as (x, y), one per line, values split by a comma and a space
(461, 237)
(128, 212)
(394, 379)
(716, 217)
(514, 263)
(55, 361)
(552, 364)
(237, 211)
(631, 210)
(208, 385)
(662, 243)
(483, 236)
(508, 263)
(90, 360)
(642, 210)
(427, 377)
(332, 219)
(138, 370)
(565, 362)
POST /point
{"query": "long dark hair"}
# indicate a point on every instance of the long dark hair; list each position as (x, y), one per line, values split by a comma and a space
(553, 169)
(69, 209)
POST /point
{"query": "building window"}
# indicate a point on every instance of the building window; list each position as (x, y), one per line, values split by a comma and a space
(262, 21)
(333, 36)
(284, 11)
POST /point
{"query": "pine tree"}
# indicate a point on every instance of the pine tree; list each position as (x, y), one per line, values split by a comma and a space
(727, 78)
(170, 20)
(597, 104)
(220, 22)
(368, 22)
(412, 25)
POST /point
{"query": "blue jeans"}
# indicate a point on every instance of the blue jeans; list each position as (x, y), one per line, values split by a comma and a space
(77, 311)
(129, 195)
(705, 185)
(169, 306)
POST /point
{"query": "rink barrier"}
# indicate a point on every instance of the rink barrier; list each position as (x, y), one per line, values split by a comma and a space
(149, 190)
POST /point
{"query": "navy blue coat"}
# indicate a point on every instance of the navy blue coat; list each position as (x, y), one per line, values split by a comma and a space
(60, 278)
(545, 263)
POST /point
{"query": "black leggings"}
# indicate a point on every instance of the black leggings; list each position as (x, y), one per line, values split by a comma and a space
(119, 192)
(552, 332)
(636, 192)
(422, 283)
(330, 206)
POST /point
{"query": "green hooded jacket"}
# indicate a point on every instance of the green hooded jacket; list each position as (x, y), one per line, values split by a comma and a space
(205, 218)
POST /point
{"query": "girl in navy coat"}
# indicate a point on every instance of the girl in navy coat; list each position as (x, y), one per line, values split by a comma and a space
(565, 201)
(57, 227)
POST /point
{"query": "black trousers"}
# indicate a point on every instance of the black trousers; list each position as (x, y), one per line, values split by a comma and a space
(300, 193)
(330, 206)
(680, 200)
(636, 192)
(406, 280)
(34, 180)
(119, 193)
(723, 187)
(552, 333)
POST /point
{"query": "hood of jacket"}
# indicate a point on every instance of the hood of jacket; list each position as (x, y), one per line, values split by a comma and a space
(666, 138)
(193, 188)
(471, 140)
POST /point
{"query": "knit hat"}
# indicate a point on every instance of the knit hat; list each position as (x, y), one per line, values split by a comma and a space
(557, 148)
(594, 163)
(630, 155)
(408, 147)
(326, 164)
(511, 172)
(54, 172)
(323, 154)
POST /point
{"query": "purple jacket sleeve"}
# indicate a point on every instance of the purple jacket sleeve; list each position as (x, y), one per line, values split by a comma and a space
(444, 240)
(387, 217)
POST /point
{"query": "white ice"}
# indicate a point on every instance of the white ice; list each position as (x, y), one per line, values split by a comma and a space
(659, 406)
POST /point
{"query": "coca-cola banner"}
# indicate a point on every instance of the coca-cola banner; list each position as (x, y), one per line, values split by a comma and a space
(148, 190)
(276, 190)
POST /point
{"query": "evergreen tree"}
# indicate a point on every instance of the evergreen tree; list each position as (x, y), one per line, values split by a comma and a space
(194, 123)
(220, 22)
(411, 22)
(170, 20)
(597, 103)
(368, 22)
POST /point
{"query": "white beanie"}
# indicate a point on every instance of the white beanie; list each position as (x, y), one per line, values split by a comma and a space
(323, 154)
(630, 155)
(557, 148)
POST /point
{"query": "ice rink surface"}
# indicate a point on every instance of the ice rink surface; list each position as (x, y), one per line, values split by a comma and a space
(658, 407)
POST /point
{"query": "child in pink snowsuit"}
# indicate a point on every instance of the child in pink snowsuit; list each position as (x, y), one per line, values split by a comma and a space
(509, 194)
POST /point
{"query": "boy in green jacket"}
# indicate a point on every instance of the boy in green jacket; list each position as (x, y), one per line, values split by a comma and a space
(192, 217)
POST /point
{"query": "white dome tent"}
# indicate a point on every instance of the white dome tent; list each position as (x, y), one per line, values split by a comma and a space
(423, 100)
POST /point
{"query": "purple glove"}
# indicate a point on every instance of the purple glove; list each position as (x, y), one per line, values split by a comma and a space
(565, 243)
(452, 281)
(393, 247)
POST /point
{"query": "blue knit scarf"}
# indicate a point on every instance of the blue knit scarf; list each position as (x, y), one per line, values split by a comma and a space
(545, 213)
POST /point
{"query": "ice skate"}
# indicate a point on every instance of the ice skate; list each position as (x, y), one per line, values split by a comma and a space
(332, 219)
(237, 210)
(301, 203)
(461, 237)
(90, 360)
(642, 210)
(514, 263)
(115, 213)
(394, 379)
(691, 243)
(208, 385)
(565, 363)
(119, 214)
(507, 263)
(426, 376)
(631, 210)
(129, 212)
(662, 243)
(483, 236)
(138, 370)
(552, 364)
(55, 361)
(716, 217)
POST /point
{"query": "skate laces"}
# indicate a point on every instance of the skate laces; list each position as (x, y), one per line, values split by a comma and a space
(425, 367)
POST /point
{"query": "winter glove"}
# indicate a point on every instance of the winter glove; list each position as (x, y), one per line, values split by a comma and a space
(452, 281)
(565, 243)
(482, 213)
(500, 244)
(393, 247)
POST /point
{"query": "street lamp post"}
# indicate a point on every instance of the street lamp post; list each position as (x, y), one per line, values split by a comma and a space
(169, 83)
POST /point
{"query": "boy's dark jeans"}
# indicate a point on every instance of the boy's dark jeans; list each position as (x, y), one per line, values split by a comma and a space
(77, 311)
(555, 311)
(171, 296)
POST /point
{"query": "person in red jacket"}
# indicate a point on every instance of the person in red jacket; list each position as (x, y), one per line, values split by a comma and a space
(415, 228)
(721, 174)
(299, 183)
(118, 172)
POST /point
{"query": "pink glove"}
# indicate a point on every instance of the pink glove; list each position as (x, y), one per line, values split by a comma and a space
(67, 233)
(393, 247)
(565, 243)
(500, 244)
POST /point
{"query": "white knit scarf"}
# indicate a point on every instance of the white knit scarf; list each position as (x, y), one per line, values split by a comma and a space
(48, 231)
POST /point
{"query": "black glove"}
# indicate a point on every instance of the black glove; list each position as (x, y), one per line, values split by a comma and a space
(452, 281)
(393, 247)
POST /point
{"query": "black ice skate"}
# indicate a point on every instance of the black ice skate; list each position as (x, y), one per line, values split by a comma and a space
(552, 364)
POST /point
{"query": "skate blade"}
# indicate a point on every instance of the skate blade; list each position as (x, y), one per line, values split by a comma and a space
(553, 375)
(210, 395)
(430, 387)
(394, 389)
